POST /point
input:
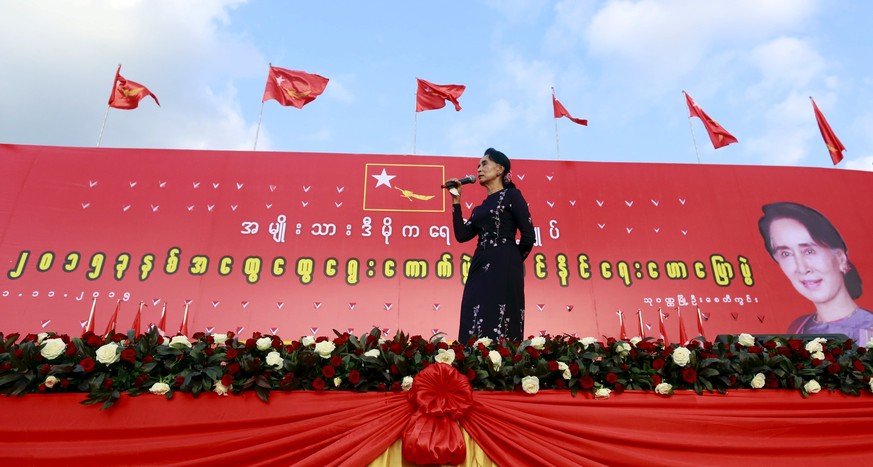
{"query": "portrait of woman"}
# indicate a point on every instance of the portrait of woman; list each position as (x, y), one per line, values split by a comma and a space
(493, 301)
(815, 259)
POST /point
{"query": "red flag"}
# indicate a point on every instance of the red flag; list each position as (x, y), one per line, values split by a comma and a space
(126, 94)
(183, 329)
(683, 336)
(561, 111)
(622, 334)
(642, 328)
(137, 320)
(663, 328)
(89, 326)
(113, 321)
(434, 96)
(162, 323)
(700, 323)
(294, 88)
(717, 134)
(835, 147)
(404, 187)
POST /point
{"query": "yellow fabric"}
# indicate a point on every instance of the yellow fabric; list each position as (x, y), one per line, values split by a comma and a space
(393, 456)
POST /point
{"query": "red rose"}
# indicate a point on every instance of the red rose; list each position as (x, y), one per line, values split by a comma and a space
(227, 380)
(560, 384)
(442, 345)
(658, 363)
(65, 383)
(429, 348)
(857, 365)
(107, 383)
(45, 369)
(733, 380)
(586, 382)
(198, 335)
(339, 341)
(128, 355)
(233, 368)
(553, 365)
(94, 341)
(251, 343)
(71, 349)
(148, 359)
(689, 375)
(393, 369)
(471, 375)
(209, 351)
(87, 365)
(834, 368)
(656, 380)
(328, 371)
(140, 380)
(623, 367)
(395, 386)
(318, 384)
(380, 386)
(611, 378)
(574, 368)
(354, 377)
(232, 353)
(516, 358)
(336, 360)
(179, 380)
(619, 388)
(395, 348)
(771, 382)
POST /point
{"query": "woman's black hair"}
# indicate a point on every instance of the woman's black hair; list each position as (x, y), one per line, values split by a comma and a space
(499, 158)
(820, 229)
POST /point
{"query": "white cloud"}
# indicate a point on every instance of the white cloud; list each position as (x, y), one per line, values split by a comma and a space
(861, 163)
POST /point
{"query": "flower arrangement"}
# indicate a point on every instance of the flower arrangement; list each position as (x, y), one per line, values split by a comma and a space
(106, 367)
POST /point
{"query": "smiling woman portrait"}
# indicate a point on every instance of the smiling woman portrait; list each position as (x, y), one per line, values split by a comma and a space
(815, 259)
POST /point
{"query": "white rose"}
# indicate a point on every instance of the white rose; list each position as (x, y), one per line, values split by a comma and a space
(108, 354)
(746, 340)
(495, 359)
(530, 384)
(681, 356)
(818, 355)
(372, 353)
(664, 389)
(586, 341)
(623, 348)
(159, 388)
(264, 343)
(812, 387)
(275, 359)
(51, 381)
(758, 381)
(869, 344)
(337, 381)
(871, 384)
(486, 341)
(566, 369)
(407, 383)
(307, 341)
(177, 342)
(538, 342)
(53, 348)
(324, 348)
(813, 346)
(445, 356)
(41, 337)
(220, 339)
(602, 393)
(636, 340)
(220, 389)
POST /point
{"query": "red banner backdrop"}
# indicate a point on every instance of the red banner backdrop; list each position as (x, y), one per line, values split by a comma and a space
(301, 243)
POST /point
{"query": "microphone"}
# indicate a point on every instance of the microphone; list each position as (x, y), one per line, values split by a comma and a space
(464, 181)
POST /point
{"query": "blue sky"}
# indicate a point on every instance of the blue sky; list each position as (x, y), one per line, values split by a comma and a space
(750, 64)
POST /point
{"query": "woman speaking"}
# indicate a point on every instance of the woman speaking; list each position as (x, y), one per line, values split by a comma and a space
(493, 301)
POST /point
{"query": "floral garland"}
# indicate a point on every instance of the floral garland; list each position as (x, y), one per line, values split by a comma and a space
(106, 367)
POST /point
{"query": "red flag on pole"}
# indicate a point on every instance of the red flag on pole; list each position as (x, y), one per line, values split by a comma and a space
(137, 320)
(683, 336)
(113, 321)
(717, 134)
(126, 94)
(561, 111)
(162, 323)
(700, 323)
(294, 88)
(89, 326)
(642, 328)
(835, 147)
(183, 329)
(434, 96)
(662, 327)
(622, 334)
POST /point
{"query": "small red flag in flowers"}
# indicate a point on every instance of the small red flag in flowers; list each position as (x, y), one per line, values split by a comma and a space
(434, 96)
(835, 147)
(561, 111)
(683, 335)
(700, 323)
(662, 327)
(717, 134)
(294, 88)
(126, 94)
(113, 321)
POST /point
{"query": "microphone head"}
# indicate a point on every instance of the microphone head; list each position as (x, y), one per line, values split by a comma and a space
(467, 180)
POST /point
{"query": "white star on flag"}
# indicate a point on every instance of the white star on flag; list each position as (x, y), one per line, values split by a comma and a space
(383, 179)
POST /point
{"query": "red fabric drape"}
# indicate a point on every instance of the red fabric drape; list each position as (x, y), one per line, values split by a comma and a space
(343, 428)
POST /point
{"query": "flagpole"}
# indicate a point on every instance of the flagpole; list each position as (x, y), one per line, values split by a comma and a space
(557, 143)
(261, 112)
(100, 138)
(693, 139)
(415, 119)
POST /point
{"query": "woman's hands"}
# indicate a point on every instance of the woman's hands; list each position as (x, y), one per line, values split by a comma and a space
(455, 189)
